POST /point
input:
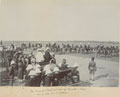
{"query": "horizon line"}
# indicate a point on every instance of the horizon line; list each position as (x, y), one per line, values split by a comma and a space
(63, 40)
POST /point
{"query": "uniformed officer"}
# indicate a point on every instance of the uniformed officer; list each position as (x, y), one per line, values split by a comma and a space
(92, 68)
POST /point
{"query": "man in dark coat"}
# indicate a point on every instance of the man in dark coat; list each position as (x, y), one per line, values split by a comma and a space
(47, 56)
(11, 73)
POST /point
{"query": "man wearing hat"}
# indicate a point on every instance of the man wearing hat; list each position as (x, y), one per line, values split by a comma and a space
(47, 56)
(92, 68)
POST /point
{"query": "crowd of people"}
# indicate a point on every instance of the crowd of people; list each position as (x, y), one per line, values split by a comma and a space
(62, 48)
(99, 49)
(38, 68)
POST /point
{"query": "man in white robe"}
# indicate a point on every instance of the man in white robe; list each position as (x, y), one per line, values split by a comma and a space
(39, 56)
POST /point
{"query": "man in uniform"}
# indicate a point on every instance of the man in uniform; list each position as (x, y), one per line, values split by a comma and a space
(92, 68)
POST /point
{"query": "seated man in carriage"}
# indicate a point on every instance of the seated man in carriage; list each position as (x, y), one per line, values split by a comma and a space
(54, 73)
(68, 72)
(50, 71)
(33, 77)
(63, 65)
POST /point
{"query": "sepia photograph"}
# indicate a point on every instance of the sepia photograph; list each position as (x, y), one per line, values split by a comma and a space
(51, 43)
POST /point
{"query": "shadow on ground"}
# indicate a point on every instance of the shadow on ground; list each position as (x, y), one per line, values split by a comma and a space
(101, 76)
(82, 83)
(4, 78)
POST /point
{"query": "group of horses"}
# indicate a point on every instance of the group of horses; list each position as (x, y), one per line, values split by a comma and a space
(99, 50)
(112, 51)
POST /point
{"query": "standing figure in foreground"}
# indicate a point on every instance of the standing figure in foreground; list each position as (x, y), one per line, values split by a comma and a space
(92, 68)
(11, 73)
(20, 69)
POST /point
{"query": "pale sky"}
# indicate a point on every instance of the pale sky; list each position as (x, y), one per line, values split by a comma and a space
(42, 20)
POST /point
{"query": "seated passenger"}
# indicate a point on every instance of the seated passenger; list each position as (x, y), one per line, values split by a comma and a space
(33, 73)
(70, 75)
(53, 57)
(63, 65)
(50, 70)
(75, 72)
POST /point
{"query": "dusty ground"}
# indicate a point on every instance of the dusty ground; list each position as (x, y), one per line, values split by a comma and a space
(106, 75)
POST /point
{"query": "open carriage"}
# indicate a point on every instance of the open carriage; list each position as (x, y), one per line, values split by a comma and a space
(68, 76)
(61, 78)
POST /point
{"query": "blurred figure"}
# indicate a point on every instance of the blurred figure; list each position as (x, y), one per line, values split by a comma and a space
(53, 57)
(39, 56)
(29, 58)
(11, 73)
(50, 70)
(20, 69)
(47, 56)
(92, 68)
(63, 65)
(33, 73)
(75, 72)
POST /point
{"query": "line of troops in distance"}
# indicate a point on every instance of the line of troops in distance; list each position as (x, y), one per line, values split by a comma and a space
(107, 51)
